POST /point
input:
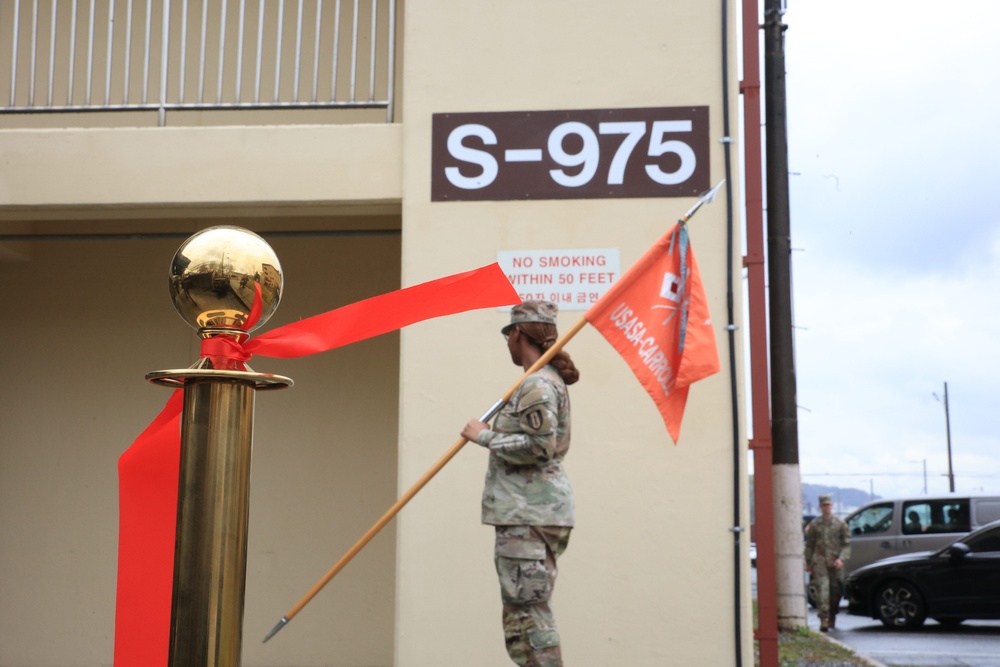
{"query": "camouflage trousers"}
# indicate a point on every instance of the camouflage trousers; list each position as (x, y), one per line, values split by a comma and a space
(827, 586)
(525, 558)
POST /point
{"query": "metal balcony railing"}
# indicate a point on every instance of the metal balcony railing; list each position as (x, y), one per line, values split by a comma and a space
(163, 55)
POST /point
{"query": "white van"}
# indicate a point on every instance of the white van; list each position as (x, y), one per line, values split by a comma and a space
(891, 527)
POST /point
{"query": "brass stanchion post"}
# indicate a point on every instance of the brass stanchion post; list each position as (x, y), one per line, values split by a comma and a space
(224, 281)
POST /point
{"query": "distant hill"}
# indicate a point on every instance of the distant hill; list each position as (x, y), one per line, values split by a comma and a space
(844, 499)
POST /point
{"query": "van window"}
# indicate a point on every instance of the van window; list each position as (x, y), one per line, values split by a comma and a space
(987, 511)
(871, 520)
(936, 516)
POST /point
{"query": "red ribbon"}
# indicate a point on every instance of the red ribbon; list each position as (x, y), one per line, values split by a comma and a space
(149, 470)
(221, 349)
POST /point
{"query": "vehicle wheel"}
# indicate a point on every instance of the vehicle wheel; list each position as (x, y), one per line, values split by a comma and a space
(900, 606)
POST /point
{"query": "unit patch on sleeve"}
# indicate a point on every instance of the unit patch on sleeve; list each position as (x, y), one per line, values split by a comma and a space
(535, 419)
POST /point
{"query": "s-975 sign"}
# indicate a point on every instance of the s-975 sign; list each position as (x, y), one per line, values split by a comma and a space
(582, 154)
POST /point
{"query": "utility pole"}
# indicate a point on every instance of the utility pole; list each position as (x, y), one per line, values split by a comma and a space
(947, 425)
(784, 418)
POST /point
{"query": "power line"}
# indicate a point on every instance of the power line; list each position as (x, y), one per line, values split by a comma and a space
(896, 474)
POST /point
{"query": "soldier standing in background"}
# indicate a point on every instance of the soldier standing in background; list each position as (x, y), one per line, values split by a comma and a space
(828, 546)
(527, 496)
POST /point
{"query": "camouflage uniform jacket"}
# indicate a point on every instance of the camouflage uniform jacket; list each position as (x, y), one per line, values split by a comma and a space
(525, 481)
(827, 540)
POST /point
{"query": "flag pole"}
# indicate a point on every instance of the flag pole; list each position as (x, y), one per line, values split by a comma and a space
(547, 356)
(420, 483)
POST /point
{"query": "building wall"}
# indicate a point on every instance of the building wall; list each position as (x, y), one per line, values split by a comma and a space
(85, 321)
(105, 173)
(648, 577)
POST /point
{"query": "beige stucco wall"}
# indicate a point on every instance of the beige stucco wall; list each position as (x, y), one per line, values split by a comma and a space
(90, 317)
(131, 168)
(648, 578)
(84, 321)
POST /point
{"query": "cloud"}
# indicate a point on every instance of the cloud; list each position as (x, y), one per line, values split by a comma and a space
(892, 131)
(872, 352)
(894, 152)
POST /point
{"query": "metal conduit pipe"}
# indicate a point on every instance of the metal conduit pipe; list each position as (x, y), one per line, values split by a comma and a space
(731, 330)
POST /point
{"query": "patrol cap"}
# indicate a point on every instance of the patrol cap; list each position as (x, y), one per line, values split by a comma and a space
(826, 500)
(532, 311)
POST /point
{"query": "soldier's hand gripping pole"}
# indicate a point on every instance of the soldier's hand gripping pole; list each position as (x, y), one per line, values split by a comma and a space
(426, 477)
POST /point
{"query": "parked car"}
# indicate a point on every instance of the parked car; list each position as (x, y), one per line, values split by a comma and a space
(905, 525)
(950, 585)
(753, 554)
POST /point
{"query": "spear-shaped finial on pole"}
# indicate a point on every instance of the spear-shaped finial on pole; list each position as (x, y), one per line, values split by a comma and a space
(706, 198)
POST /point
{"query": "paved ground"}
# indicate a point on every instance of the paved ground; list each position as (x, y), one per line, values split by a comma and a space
(971, 644)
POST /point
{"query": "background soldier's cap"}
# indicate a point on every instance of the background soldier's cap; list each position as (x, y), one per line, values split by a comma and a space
(826, 500)
(532, 311)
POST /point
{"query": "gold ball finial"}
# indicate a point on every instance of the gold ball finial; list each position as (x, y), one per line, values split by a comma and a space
(215, 275)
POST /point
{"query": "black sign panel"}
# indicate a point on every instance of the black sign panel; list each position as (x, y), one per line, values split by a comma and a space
(582, 154)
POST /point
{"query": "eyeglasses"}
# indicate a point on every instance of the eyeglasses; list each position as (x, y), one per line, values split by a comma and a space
(506, 336)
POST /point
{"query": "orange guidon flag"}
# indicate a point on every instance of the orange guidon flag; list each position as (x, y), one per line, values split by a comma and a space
(657, 318)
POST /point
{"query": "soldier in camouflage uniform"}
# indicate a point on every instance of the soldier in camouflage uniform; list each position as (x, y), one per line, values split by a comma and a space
(828, 546)
(527, 496)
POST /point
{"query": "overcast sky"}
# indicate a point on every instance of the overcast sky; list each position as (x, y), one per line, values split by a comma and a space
(894, 153)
